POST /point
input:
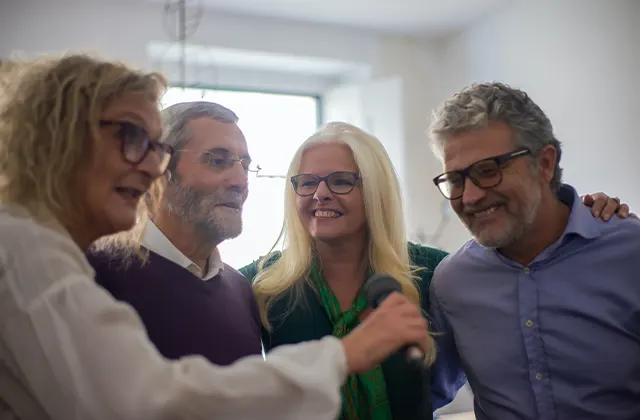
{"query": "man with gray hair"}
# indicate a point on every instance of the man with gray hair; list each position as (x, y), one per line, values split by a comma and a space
(542, 306)
(190, 301)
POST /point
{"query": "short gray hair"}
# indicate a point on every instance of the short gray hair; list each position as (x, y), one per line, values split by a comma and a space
(477, 105)
(176, 120)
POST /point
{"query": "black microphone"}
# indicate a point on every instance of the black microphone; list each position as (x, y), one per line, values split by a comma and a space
(376, 289)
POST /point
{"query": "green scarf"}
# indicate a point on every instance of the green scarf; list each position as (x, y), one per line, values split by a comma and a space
(364, 396)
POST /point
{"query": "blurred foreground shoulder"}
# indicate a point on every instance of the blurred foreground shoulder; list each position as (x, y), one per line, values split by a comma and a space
(37, 255)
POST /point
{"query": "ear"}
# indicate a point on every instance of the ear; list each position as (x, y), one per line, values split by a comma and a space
(547, 162)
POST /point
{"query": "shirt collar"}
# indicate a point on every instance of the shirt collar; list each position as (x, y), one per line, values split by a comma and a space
(156, 241)
(581, 221)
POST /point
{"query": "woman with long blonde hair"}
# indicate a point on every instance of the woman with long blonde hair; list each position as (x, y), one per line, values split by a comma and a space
(344, 222)
(80, 145)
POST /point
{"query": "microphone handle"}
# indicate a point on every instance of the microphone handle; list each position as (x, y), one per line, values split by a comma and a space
(412, 353)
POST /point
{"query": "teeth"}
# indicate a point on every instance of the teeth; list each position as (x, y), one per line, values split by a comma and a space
(327, 213)
(486, 212)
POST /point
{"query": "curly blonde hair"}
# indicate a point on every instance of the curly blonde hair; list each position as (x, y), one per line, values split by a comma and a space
(49, 111)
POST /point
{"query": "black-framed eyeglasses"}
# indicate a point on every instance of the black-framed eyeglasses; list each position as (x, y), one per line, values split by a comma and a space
(485, 174)
(136, 144)
(221, 161)
(338, 183)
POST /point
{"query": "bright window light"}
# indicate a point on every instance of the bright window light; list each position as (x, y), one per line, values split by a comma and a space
(274, 126)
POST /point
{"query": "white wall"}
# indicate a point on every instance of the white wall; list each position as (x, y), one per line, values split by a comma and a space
(580, 61)
(125, 29)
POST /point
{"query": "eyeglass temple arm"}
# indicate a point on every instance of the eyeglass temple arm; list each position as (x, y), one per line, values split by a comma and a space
(270, 176)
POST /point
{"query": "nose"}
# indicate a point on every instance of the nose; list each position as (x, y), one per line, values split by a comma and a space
(323, 193)
(150, 165)
(236, 177)
(472, 193)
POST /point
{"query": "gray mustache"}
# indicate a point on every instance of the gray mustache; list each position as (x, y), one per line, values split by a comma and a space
(475, 209)
(230, 197)
(191, 197)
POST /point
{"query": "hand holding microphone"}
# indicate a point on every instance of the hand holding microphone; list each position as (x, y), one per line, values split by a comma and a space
(377, 289)
(395, 323)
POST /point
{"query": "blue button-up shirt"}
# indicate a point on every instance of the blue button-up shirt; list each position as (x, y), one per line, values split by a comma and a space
(557, 339)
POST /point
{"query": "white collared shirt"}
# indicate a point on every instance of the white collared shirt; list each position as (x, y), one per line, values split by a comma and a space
(69, 349)
(156, 241)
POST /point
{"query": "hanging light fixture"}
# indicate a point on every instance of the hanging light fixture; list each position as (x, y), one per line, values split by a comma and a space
(181, 19)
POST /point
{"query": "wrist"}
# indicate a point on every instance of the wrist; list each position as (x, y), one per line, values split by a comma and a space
(354, 353)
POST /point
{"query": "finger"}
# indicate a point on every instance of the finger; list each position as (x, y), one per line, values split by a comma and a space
(623, 211)
(418, 325)
(598, 205)
(609, 209)
(414, 332)
(407, 310)
(394, 299)
(587, 200)
(419, 335)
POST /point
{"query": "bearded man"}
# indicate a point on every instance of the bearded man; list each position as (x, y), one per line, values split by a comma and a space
(189, 300)
(542, 307)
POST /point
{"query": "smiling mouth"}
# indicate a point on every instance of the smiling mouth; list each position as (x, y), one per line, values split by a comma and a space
(326, 214)
(479, 215)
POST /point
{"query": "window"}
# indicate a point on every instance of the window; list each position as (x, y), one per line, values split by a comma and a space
(274, 126)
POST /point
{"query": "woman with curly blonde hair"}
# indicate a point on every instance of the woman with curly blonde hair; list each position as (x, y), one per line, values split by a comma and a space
(80, 144)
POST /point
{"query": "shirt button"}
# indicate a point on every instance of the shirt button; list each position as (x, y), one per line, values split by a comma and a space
(539, 376)
(529, 323)
(526, 270)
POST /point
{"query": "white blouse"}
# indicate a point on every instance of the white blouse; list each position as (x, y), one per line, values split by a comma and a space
(70, 350)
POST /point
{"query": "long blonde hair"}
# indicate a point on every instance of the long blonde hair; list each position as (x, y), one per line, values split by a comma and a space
(49, 110)
(387, 244)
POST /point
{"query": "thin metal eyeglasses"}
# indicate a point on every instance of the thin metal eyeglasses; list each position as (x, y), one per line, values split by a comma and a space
(485, 174)
(136, 144)
(221, 161)
(339, 183)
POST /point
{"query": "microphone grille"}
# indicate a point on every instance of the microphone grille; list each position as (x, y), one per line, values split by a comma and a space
(379, 287)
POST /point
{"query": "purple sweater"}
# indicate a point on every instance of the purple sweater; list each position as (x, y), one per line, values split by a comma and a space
(184, 315)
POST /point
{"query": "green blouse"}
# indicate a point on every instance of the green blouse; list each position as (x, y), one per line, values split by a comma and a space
(309, 321)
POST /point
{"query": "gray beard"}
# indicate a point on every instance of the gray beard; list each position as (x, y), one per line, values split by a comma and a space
(196, 207)
(520, 227)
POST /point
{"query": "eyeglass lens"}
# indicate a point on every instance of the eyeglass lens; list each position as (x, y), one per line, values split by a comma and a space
(136, 145)
(485, 174)
(337, 182)
(221, 163)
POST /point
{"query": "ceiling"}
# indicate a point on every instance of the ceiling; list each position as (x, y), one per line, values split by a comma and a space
(410, 17)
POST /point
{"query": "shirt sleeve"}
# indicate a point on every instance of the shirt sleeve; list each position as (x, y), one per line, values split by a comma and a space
(447, 374)
(85, 355)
